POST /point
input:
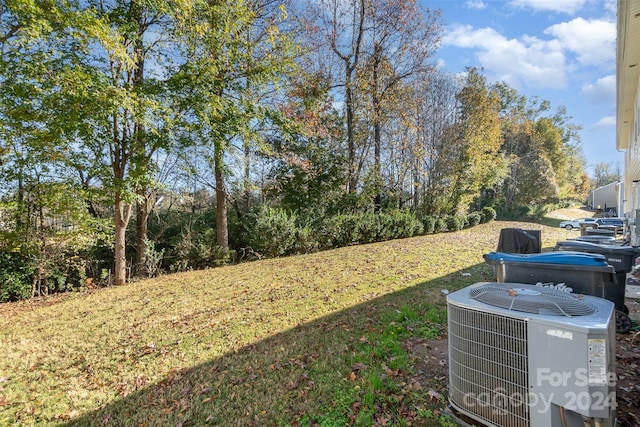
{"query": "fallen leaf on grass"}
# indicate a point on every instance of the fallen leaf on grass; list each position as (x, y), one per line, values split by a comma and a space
(434, 395)
(68, 415)
(358, 367)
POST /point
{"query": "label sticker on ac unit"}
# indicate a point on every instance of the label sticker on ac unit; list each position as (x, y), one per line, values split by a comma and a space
(566, 335)
(597, 361)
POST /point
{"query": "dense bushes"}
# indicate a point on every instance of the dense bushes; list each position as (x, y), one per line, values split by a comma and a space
(15, 277)
(274, 232)
(188, 242)
(277, 232)
(488, 214)
(474, 218)
(455, 222)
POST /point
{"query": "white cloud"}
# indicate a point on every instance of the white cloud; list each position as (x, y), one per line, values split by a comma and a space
(602, 91)
(539, 63)
(593, 41)
(529, 60)
(611, 7)
(605, 122)
(475, 4)
(562, 6)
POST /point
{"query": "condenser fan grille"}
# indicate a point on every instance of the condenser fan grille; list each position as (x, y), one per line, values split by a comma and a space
(530, 299)
(489, 366)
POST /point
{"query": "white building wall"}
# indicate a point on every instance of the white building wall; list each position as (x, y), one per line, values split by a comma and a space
(608, 196)
(632, 163)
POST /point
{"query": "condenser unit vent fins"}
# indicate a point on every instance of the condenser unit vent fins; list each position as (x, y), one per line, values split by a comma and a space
(488, 366)
(539, 301)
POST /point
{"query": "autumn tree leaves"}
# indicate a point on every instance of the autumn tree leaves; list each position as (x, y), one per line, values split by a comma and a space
(334, 106)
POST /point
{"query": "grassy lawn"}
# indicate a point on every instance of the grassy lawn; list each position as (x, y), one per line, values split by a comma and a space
(314, 339)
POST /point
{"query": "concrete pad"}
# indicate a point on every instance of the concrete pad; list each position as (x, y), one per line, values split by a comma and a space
(632, 291)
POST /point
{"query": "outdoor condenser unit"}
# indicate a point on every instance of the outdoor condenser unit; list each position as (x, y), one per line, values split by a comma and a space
(527, 355)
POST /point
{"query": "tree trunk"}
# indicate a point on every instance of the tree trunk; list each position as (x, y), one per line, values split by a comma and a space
(140, 146)
(222, 231)
(122, 215)
(353, 182)
(377, 128)
(246, 187)
(142, 218)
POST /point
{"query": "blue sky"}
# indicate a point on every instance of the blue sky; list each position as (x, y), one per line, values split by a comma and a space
(562, 51)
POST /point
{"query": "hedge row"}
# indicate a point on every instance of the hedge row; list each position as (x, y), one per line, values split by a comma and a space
(276, 232)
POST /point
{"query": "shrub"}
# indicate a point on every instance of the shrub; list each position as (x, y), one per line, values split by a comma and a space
(370, 228)
(439, 225)
(400, 224)
(474, 218)
(488, 214)
(341, 230)
(455, 222)
(15, 278)
(306, 241)
(428, 224)
(515, 213)
(196, 250)
(274, 232)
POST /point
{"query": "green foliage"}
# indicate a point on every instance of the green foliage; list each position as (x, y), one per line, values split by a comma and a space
(515, 213)
(544, 159)
(274, 232)
(455, 222)
(398, 223)
(51, 232)
(474, 218)
(197, 249)
(338, 231)
(440, 225)
(428, 224)
(15, 276)
(471, 158)
(488, 214)
(368, 227)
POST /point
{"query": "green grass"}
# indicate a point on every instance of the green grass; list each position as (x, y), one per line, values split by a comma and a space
(314, 339)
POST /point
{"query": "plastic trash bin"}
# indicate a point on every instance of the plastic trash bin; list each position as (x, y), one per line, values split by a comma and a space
(622, 258)
(585, 273)
(600, 232)
(607, 240)
(587, 226)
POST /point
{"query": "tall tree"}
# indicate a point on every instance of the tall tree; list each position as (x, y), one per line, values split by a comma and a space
(310, 172)
(340, 26)
(123, 114)
(377, 45)
(605, 173)
(543, 150)
(403, 37)
(474, 142)
(436, 111)
(232, 48)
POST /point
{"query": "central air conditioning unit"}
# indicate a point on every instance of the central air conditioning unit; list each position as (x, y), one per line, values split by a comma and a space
(527, 355)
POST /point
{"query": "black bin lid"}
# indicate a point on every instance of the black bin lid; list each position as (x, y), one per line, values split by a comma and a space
(581, 246)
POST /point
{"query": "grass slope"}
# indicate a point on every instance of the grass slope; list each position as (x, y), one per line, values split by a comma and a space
(290, 341)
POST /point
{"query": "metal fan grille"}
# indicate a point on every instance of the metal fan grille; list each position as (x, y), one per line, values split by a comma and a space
(532, 299)
(488, 367)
